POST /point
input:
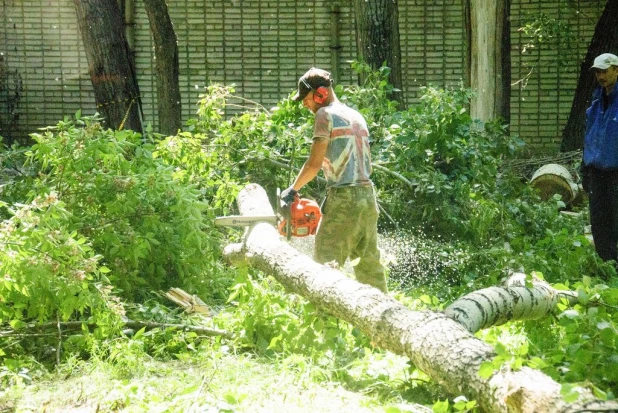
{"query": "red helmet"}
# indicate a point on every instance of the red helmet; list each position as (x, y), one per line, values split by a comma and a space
(304, 218)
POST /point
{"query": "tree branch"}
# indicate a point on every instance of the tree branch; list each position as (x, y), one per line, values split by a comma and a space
(76, 325)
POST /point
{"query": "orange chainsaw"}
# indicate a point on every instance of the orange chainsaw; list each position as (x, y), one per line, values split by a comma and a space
(299, 219)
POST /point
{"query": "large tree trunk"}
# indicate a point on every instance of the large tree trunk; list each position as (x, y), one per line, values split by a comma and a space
(166, 64)
(515, 301)
(435, 343)
(604, 40)
(489, 59)
(109, 63)
(377, 38)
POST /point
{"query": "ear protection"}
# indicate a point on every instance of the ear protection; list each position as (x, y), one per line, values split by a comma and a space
(320, 95)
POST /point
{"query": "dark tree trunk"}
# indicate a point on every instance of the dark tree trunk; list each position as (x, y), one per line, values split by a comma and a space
(504, 107)
(109, 62)
(467, 57)
(166, 59)
(488, 30)
(604, 40)
(377, 38)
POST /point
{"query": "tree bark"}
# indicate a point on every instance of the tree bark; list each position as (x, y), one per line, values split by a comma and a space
(490, 61)
(435, 343)
(109, 63)
(166, 66)
(377, 38)
(467, 46)
(497, 305)
(604, 40)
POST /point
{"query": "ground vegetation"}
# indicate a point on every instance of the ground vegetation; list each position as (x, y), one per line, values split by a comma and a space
(98, 223)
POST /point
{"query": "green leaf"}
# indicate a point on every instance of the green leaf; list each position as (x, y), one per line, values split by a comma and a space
(569, 393)
(440, 406)
(139, 333)
(17, 324)
(230, 398)
(537, 363)
(599, 393)
(425, 299)
(486, 369)
(500, 349)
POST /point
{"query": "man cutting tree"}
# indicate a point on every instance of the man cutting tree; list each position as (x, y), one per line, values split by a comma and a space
(340, 148)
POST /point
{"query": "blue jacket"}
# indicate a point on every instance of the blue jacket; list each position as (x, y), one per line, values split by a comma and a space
(601, 140)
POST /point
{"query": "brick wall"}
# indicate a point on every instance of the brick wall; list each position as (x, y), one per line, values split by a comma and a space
(262, 46)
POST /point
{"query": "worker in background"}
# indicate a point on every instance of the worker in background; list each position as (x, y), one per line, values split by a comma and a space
(340, 148)
(600, 162)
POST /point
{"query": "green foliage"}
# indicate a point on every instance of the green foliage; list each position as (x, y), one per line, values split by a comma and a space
(253, 146)
(47, 273)
(273, 322)
(449, 160)
(150, 227)
(543, 29)
(91, 214)
(459, 405)
(585, 335)
(371, 99)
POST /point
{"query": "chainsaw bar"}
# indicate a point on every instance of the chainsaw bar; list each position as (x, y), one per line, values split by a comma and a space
(244, 221)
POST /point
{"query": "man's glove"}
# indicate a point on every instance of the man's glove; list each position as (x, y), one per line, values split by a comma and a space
(288, 196)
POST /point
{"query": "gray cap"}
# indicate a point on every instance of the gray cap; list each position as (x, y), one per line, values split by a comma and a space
(311, 80)
(604, 61)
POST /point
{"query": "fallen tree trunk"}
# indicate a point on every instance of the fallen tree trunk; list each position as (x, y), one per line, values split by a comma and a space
(515, 301)
(434, 342)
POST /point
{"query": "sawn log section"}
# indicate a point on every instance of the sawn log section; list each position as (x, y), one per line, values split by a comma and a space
(435, 343)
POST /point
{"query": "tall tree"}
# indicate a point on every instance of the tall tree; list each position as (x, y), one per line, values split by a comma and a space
(109, 63)
(377, 38)
(488, 31)
(604, 40)
(166, 66)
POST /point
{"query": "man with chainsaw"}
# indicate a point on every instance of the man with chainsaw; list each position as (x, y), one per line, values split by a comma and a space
(340, 148)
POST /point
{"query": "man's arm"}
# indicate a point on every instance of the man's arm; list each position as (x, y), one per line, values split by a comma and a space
(313, 165)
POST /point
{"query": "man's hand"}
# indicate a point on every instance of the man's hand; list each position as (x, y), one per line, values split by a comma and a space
(288, 195)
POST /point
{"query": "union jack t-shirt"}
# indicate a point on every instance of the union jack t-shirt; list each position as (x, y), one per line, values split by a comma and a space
(348, 157)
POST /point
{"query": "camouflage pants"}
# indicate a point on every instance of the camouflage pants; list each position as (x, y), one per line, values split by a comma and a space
(349, 229)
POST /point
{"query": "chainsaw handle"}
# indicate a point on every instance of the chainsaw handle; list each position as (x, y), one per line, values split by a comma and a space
(285, 209)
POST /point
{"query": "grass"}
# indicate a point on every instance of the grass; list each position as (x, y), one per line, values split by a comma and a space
(213, 381)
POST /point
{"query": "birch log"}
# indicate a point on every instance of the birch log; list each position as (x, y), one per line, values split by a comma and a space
(497, 305)
(434, 342)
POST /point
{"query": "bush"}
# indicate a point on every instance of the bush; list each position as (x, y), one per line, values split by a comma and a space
(149, 228)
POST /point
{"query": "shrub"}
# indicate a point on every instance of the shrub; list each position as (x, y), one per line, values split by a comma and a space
(151, 229)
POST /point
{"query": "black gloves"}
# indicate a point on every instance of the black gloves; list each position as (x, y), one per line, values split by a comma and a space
(288, 195)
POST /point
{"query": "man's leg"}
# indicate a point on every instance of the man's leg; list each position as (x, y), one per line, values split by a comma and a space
(332, 239)
(603, 201)
(369, 269)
